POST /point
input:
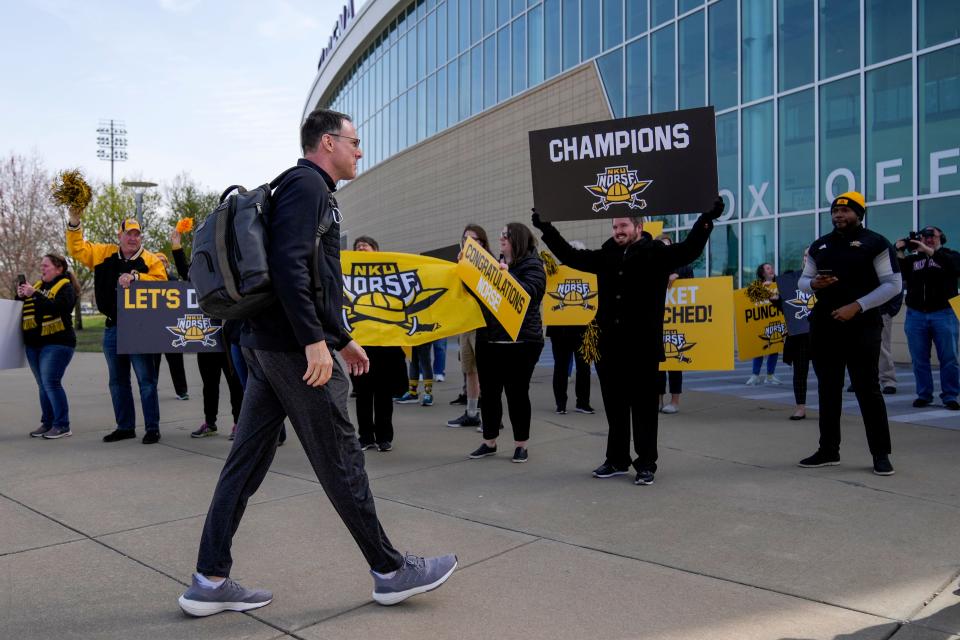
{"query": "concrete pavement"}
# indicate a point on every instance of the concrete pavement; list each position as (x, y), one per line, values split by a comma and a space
(733, 541)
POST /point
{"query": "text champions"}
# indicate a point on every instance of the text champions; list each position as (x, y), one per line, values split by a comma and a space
(615, 143)
(494, 287)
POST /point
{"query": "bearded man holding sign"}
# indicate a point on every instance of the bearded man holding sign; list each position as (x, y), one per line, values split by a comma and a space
(633, 273)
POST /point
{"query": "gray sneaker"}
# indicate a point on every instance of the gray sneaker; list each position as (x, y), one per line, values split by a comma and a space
(415, 575)
(57, 432)
(36, 433)
(229, 596)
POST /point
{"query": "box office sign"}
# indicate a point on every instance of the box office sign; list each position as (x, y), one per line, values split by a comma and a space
(647, 165)
(698, 325)
(164, 317)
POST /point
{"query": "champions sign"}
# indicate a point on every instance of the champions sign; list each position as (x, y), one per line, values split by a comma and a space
(164, 317)
(761, 327)
(399, 299)
(698, 325)
(649, 165)
(571, 298)
(500, 292)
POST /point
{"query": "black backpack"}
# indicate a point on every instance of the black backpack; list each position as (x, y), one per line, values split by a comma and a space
(229, 267)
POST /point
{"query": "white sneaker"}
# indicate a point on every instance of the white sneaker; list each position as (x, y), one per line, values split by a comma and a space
(754, 381)
(772, 379)
(439, 377)
(670, 408)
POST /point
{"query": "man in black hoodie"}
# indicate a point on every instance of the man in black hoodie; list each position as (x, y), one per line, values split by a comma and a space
(292, 373)
(633, 273)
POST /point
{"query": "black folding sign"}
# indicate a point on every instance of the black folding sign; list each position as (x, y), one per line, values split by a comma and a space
(164, 317)
(642, 166)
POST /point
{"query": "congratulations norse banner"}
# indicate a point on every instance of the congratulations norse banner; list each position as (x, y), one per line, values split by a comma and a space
(400, 299)
(761, 327)
(496, 288)
(698, 325)
(648, 165)
(571, 298)
(797, 304)
(164, 317)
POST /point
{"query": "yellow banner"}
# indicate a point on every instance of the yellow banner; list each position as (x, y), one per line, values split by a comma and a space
(955, 303)
(399, 299)
(761, 327)
(571, 298)
(497, 289)
(698, 325)
(654, 228)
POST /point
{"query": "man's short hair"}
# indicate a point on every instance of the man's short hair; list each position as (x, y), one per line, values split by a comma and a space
(366, 240)
(319, 122)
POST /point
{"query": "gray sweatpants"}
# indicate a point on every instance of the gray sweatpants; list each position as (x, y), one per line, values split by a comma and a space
(888, 370)
(275, 390)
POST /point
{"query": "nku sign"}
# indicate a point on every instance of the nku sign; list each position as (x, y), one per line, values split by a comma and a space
(339, 28)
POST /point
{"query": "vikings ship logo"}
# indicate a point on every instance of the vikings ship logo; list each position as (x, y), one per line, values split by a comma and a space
(573, 292)
(618, 185)
(382, 293)
(675, 345)
(803, 302)
(194, 327)
(774, 333)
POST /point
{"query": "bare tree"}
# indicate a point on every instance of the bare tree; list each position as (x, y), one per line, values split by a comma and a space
(187, 199)
(30, 224)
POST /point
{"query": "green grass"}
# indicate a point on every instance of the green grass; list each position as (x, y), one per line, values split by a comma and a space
(90, 340)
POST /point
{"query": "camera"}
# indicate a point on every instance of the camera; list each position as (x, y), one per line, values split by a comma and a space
(914, 236)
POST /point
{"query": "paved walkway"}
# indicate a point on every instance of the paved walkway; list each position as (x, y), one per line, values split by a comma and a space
(733, 541)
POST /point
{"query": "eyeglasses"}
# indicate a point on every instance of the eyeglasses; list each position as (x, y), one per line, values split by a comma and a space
(354, 141)
(505, 235)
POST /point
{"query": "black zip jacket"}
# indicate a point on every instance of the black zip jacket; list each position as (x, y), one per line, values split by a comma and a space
(632, 283)
(306, 312)
(62, 305)
(529, 272)
(930, 281)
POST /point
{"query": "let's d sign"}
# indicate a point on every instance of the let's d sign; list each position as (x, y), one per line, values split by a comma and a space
(339, 28)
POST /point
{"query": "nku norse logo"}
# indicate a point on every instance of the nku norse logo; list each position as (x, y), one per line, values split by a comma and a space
(618, 185)
(675, 345)
(573, 292)
(803, 302)
(194, 327)
(382, 293)
(774, 333)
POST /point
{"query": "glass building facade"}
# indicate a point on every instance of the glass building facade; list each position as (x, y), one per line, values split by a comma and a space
(812, 98)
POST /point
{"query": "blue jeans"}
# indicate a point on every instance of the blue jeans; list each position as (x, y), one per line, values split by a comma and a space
(440, 357)
(939, 328)
(48, 364)
(771, 364)
(120, 392)
(239, 364)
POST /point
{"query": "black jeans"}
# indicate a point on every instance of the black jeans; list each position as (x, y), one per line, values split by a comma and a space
(506, 368)
(177, 374)
(275, 390)
(375, 392)
(799, 347)
(676, 382)
(853, 345)
(211, 365)
(564, 347)
(628, 383)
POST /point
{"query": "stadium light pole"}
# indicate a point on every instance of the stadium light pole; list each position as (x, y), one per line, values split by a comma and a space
(112, 140)
(139, 189)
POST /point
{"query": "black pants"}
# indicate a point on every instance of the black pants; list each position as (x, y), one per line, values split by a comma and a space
(853, 345)
(275, 390)
(211, 365)
(676, 382)
(177, 374)
(796, 353)
(564, 347)
(628, 383)
(375, 392)
(506, 368)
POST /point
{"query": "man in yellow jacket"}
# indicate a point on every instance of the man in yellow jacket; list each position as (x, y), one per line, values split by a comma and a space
(113, 265)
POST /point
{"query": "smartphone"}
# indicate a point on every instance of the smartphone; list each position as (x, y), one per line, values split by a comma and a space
(21, 279)
(826, 273)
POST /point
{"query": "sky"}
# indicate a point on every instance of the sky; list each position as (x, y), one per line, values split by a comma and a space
(214, 88)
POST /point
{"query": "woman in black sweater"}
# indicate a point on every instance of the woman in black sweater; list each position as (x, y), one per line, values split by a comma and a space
(49, 340)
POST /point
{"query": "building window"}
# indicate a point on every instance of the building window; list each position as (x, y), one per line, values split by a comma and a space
(839, 139)
(728, 162)
(476, 21)
(889, 132)
(519, 54)
(535, 46)
(612, 23)
(693, 75)
(611, 73)
(757, 49)
(795, 33)
(758, 247)
(590, 28)
(489, 72)
(939, 21)
(725, 251)
(571, 33)
(464, 25)
(661, 11)
(489, 16)
(939, 95)
(503, 11)
(442, 99)
(662, 70)
(453, 93)
(941, 213)
(757, 158)
(892, 221)
(638, 102)
(465, 86)
(503, 64)
(795, 233)
(888, 29)
(796, 153)
(839, 43)
(723, 54)
(636, 17)
(476, 85)
(453, 40)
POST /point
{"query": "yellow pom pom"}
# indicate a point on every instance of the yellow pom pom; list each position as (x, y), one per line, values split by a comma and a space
(590, 349)
(757, 292)
(69, 189)
(549, 263)
(184, 225)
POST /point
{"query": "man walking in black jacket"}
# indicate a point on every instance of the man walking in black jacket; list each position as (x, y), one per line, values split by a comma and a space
(632, 277)
(292, 373)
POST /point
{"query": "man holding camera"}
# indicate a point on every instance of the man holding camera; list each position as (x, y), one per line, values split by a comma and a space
(930, 271)
(853, 271)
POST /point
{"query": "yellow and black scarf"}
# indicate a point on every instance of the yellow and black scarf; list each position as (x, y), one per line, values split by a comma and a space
(49, 324)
